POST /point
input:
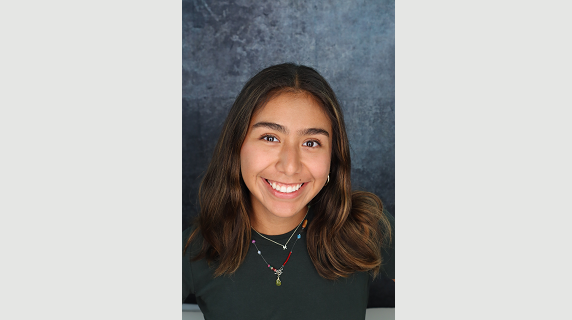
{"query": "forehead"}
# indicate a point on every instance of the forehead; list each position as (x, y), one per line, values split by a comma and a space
(295, 110)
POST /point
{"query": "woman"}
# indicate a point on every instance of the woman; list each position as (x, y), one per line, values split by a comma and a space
(280, 234)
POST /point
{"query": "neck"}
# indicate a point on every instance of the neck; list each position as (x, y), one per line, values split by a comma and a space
(269, 224)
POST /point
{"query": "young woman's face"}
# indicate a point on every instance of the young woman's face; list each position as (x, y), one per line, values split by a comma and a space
(285, 158)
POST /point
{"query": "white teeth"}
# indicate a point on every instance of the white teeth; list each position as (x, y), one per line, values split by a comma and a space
(285, 189)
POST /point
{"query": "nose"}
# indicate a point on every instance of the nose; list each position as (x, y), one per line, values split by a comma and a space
(289, 161)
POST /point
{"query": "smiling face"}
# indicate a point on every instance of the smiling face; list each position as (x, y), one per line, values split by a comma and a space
(285, 159)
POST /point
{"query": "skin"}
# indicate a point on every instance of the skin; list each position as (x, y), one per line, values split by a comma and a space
(289, 141)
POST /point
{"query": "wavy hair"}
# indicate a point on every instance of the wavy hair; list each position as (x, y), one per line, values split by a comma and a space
(348, 229)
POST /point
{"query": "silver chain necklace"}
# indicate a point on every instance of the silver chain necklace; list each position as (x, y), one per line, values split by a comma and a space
(284, 246)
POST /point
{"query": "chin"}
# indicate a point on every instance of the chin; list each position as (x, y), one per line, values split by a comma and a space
(284, 210)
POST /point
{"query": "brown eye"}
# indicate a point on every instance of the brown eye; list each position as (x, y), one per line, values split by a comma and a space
(311, 144)
(270, 138)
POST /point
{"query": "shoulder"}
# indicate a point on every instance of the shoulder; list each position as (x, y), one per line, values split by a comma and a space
(187, 233)
(388, 247)
(192, 248)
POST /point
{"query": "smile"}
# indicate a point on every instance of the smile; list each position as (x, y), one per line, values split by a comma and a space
(283, 187)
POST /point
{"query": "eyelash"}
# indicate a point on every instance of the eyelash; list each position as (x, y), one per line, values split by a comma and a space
(267, 137)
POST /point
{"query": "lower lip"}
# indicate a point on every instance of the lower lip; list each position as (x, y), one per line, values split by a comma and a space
(283, 195)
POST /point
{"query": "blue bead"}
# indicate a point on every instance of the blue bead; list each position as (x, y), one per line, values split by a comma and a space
(298, 236)
(258, 251)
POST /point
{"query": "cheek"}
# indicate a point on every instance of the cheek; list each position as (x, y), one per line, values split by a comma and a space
(251, 161)
(320, 167)
(245, 161)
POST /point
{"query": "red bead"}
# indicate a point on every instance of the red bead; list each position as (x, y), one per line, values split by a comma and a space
(287, 258)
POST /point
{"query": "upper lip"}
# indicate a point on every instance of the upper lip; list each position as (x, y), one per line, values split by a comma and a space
(284, 183)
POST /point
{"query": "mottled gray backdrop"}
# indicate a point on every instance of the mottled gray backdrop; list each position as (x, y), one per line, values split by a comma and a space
(351, 43)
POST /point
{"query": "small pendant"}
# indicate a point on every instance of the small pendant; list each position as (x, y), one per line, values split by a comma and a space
(284, 247)
(278, 273)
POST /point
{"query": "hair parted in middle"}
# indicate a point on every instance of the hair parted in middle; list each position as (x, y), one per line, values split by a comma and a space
(348, 228)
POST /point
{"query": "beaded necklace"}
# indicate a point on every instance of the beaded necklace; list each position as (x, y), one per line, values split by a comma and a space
(279, 272)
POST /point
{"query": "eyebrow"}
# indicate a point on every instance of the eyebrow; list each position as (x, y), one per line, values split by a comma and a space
(270, 125)
(312, 131)
(282, 129)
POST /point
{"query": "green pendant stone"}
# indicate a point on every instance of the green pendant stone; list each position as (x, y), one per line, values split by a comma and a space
(278, 282)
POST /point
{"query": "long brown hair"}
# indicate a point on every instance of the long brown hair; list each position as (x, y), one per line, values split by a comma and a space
(348, 228)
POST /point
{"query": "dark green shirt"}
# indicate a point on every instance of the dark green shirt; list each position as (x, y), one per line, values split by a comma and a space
(251, 292)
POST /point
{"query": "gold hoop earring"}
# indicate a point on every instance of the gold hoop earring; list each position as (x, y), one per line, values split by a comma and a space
(328, 180)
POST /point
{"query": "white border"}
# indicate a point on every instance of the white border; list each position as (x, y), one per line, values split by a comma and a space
(483, 159)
